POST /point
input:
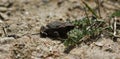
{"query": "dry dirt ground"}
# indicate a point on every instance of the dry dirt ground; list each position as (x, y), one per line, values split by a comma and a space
(20, 19)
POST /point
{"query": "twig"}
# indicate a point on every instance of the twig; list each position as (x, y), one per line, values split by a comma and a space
(99, 11)
(4, 31)
(87, 15)
(114, 26)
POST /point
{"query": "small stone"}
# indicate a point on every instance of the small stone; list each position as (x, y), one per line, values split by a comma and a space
(1, 21)
(6, 40)
(3, 9)
(98, 44)
(3, 17)
(118, 40)
(14, 36)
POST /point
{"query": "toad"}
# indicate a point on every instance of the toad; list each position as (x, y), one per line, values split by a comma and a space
(56, 29)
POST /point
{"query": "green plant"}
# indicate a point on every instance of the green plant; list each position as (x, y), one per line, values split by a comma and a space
(116, 13)
(84, 27)
(91, 27)
(73, 37)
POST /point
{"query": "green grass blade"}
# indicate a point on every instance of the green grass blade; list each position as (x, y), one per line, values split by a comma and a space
(90, 9)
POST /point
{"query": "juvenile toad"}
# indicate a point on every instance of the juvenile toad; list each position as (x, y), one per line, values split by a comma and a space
(56, 29)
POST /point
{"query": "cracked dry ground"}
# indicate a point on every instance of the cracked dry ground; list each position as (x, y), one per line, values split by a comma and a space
(23, 18)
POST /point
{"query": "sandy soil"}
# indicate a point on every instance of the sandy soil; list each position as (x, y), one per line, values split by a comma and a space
(23, 18)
